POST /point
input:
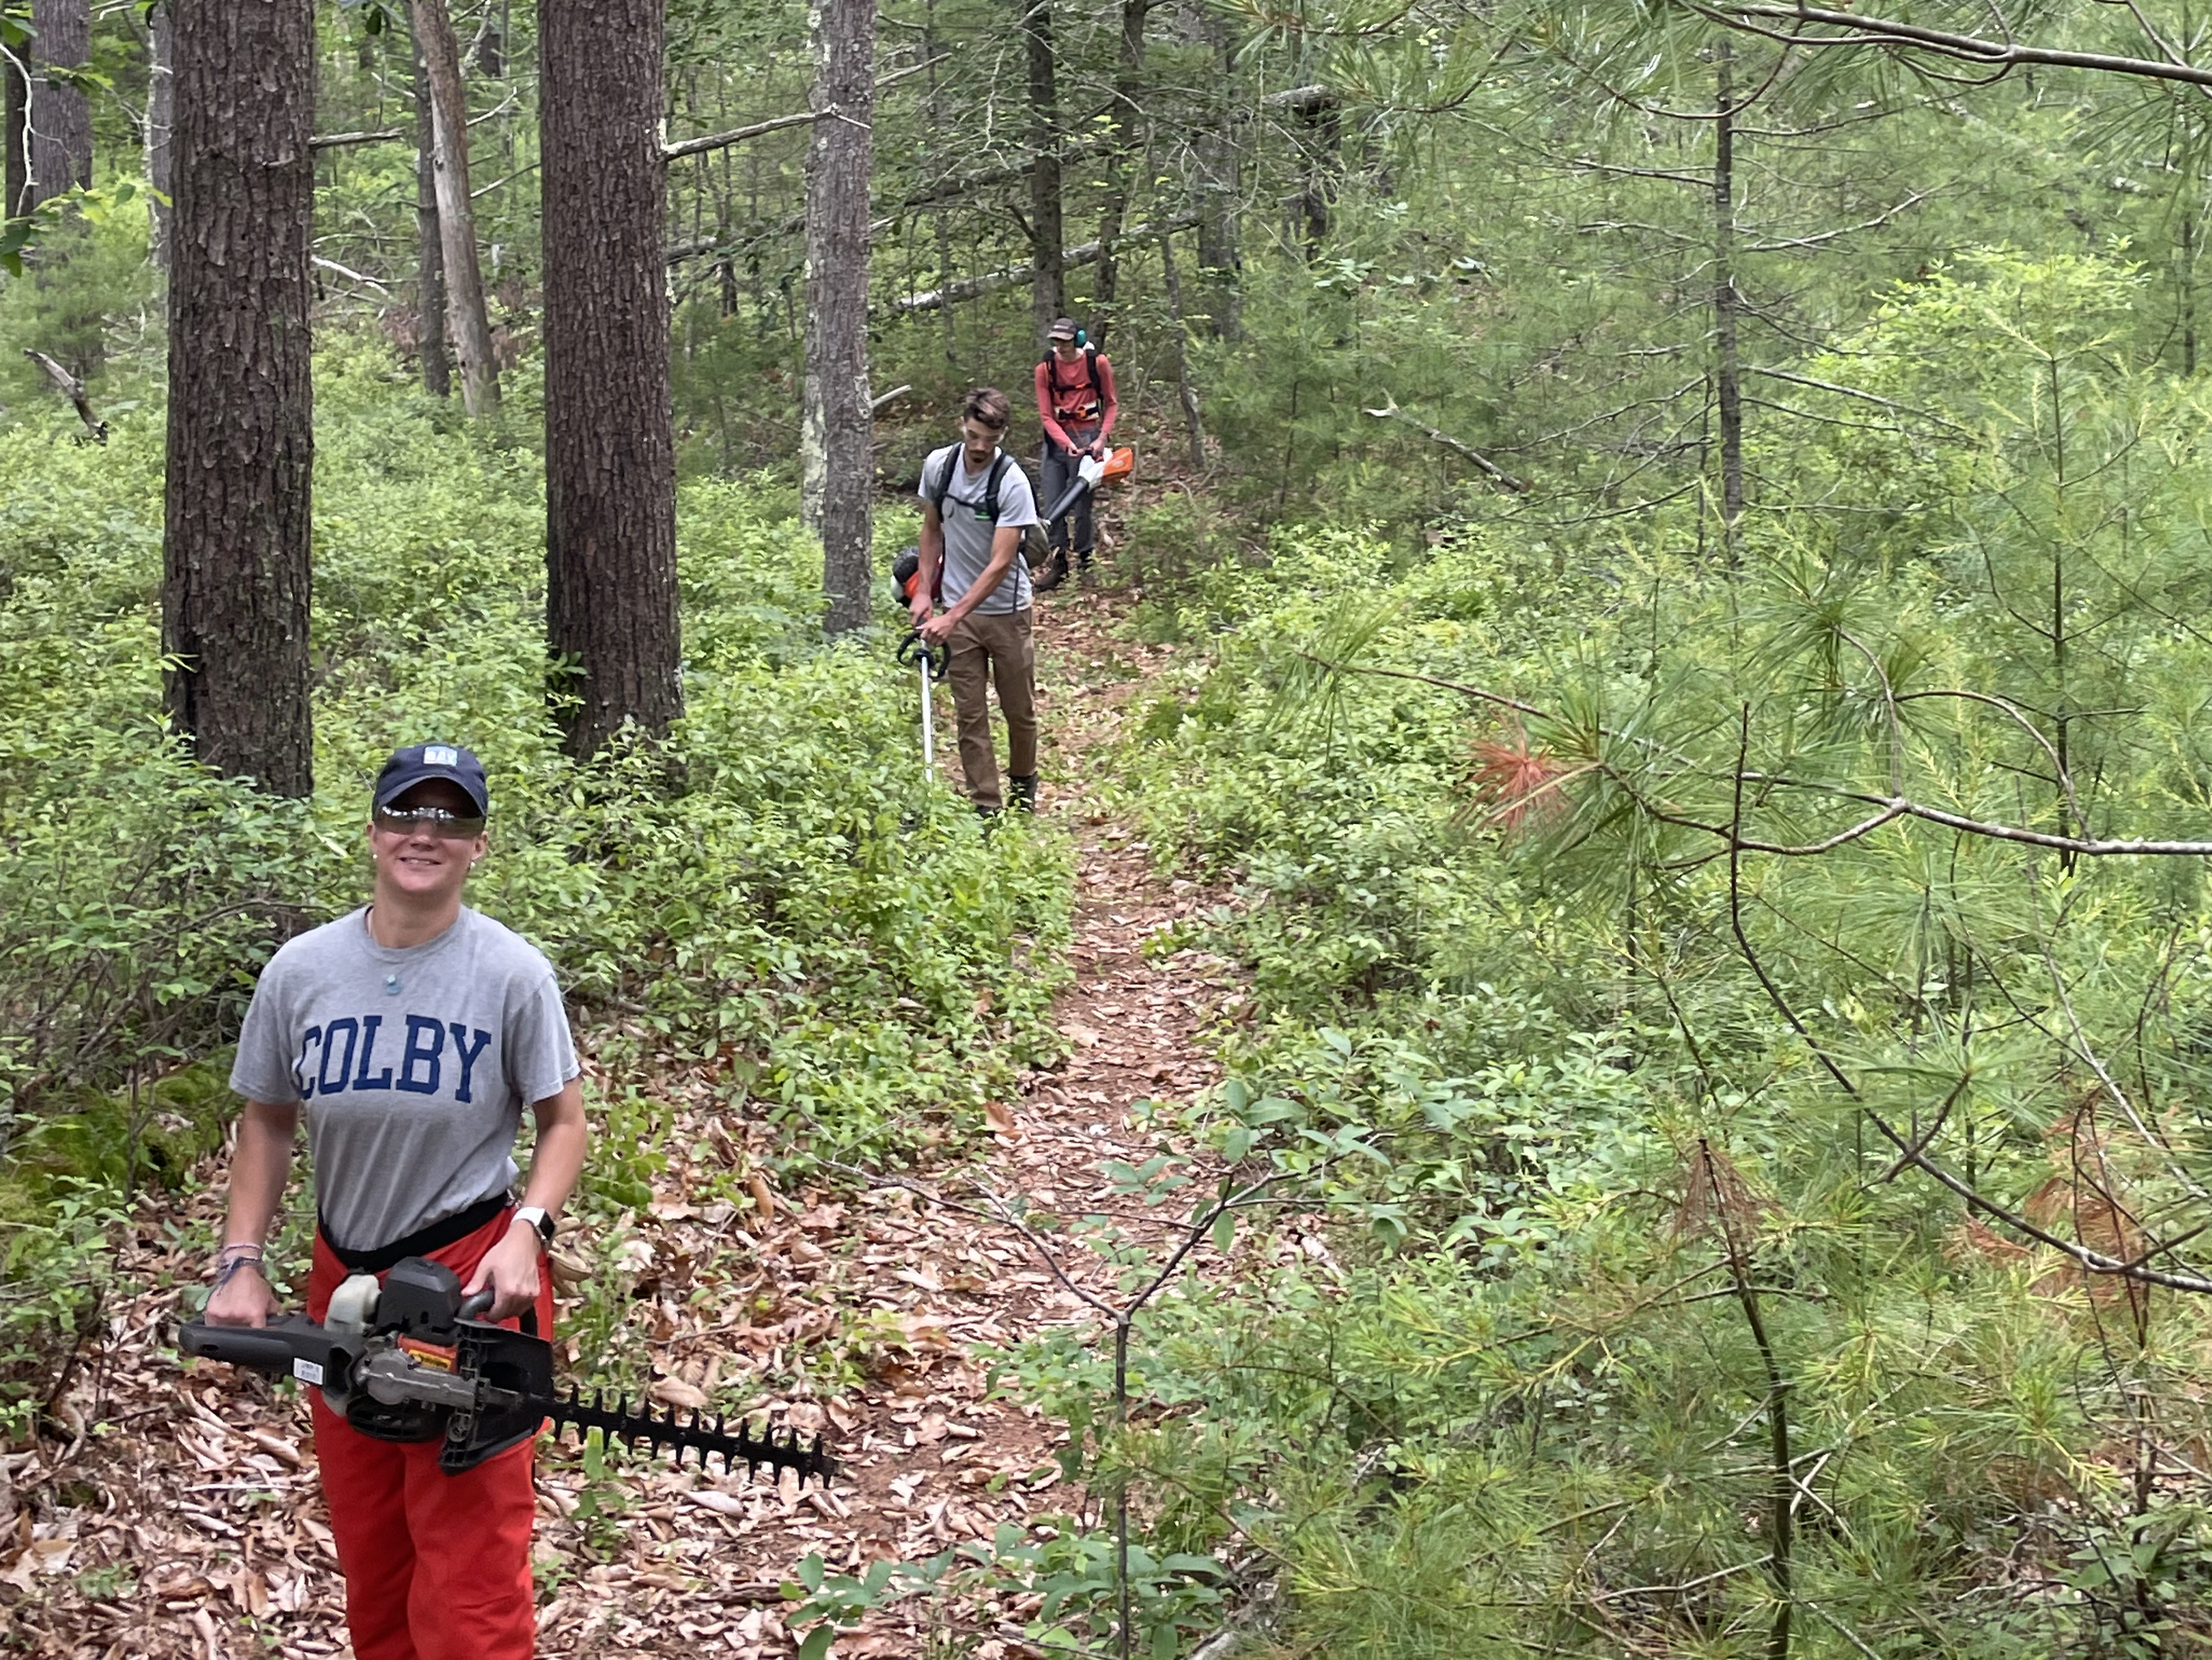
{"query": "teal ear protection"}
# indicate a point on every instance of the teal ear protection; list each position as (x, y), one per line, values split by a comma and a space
(1081, 340)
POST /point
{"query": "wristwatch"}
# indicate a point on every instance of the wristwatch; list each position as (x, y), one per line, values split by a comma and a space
(537, 1218)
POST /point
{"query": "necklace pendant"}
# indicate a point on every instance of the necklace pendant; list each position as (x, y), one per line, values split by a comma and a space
(391, 985)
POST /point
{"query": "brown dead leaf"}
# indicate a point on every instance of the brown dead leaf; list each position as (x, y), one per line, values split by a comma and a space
(1001, 1117)
(676, 1392)
(764, 1196)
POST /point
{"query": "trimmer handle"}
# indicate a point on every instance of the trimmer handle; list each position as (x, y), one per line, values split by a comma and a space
(290, 1345)
(914, 650)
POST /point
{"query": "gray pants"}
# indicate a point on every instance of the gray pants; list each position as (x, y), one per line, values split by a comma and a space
(1058, 468)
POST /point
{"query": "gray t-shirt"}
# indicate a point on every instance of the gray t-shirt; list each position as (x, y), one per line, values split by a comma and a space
(968, 530)
(414, 1064)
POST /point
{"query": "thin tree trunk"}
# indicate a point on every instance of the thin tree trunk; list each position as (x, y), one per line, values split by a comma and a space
(491, 43)
(1048, 296)
(15, 176)
(241, 448)
(1727, 369)
(1128, 146)
(610, 453)
(430, 347)
(161, 103)
(1218, 188)
(1185, 388)
(837, 457)
(2188, 283)
(468, 321)
(61, 114)
(1324, 119)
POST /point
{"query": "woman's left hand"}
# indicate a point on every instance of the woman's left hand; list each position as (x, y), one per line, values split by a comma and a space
(510, 1268)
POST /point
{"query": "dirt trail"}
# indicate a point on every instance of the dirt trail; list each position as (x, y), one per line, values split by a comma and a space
(187, 1523)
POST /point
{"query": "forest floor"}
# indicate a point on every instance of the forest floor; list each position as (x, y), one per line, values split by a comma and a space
(182, 1517)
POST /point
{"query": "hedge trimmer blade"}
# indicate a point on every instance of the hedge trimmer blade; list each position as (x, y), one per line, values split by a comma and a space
(697, 1433)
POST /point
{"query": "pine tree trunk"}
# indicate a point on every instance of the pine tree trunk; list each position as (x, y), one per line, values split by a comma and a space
(61, 115)
(1127, 151)
(15, 176)
(1048, 296)
(1219, 185)
(241, 453)
(430, 347)
(1324, 119)
(837, 456)
(1727, 371)
(609, 453)
(467, 320)
(161, 103)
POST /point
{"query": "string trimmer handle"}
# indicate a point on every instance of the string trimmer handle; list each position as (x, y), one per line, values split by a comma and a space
(914, 648)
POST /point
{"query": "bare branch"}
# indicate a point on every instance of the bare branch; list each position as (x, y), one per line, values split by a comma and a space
(72, 388)
(1860, 30)
(340, 140)
(1504, 480)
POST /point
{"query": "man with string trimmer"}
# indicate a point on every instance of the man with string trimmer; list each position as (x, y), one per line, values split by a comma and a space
(976, 502)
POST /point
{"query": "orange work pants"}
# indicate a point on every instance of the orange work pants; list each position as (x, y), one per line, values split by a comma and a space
(437, 1567)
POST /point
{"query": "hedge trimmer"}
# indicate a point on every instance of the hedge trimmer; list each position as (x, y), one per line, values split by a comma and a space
(411, 1361)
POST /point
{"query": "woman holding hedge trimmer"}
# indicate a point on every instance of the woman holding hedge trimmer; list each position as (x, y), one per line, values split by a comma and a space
(411, 1034)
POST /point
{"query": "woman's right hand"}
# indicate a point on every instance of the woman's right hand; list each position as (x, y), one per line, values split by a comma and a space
(243, 1299)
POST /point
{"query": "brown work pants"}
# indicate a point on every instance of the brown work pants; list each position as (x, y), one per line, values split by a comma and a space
(993, 647)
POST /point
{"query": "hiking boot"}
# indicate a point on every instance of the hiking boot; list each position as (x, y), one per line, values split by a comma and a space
(1055, 574)
(1022, 791)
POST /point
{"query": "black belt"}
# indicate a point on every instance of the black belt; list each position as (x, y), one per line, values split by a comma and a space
(421, 1243)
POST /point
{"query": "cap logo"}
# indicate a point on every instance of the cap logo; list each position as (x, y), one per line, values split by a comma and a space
(440, 754)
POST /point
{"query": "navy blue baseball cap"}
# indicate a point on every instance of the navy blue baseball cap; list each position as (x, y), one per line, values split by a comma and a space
(416, 763)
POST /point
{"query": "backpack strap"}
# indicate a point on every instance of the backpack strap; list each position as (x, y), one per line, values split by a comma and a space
(944, 480)
(990, 487)
(938, 491)
(1050, 362)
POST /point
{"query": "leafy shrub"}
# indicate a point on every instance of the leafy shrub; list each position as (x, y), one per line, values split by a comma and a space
(808, 923)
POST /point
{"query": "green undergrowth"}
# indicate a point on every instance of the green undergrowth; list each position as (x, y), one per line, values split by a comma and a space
(805, 924)
(1612, 1322)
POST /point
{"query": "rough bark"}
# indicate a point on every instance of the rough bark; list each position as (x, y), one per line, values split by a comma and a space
(1127, 146)
(240, 445)
(467, 320)
(161, 103)
(1048, 296)
(1218, 187)
(430, 347)
(836, 450)
(1728, 378)
(61, 114)
(15, 174)
(609, 453)
(1324, 143)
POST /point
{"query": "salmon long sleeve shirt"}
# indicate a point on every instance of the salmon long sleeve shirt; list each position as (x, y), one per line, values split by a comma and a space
(1064, 397)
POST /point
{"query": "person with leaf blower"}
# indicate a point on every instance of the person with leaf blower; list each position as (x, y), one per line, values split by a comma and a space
(1075, 401)
(976, 502)
(410, 1034)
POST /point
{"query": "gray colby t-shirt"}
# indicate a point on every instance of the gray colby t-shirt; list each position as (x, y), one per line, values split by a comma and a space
(968, 530)
(414, 1064)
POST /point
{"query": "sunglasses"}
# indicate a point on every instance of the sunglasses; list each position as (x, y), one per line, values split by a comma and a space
(402, 821)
